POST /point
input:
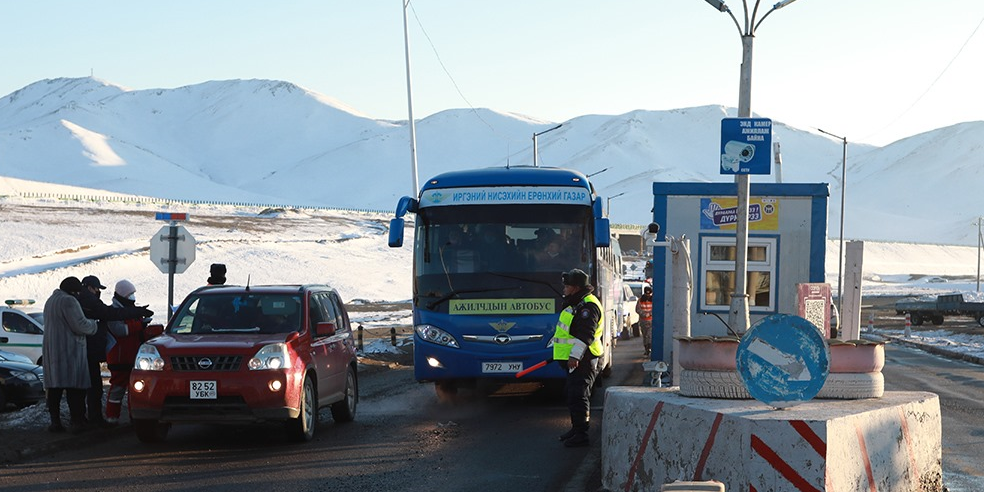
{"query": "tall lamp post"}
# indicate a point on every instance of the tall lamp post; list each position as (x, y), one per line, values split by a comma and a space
(738, 315)
(980, 240)
(537, 135)
(840, 248)
(608, 203)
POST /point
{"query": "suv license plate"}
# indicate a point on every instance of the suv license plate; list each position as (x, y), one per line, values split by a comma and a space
(203, 390)
(502, 367)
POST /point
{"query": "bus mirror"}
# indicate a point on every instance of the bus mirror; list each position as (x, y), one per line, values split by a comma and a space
(603, 234)
(396, 233)
(406, 204)
(598, 210)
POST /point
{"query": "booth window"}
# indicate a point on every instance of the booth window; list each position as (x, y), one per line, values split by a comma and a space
(717, 272)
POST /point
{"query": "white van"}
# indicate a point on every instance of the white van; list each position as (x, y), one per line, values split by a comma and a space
(21, 333)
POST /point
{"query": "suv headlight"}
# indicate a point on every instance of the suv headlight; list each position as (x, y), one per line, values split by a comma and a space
(273, 356)
(149, 359)
(436, 335)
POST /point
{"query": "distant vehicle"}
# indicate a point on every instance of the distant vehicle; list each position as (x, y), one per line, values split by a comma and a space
(234, 354)
(936, 311)
(632, 290)
(14, 357)
(21, 333)
(21, 383)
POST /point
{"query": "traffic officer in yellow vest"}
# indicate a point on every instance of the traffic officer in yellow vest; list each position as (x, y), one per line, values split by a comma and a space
(576, 346)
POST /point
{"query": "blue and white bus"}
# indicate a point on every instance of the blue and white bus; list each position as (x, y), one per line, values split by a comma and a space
(489, 249)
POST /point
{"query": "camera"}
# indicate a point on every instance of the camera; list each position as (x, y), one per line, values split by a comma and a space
(735, 154)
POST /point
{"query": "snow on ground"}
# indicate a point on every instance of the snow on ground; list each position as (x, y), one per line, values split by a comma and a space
(46, 240)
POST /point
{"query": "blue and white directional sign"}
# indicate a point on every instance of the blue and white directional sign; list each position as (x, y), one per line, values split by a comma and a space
(746, 146)
(783, 360)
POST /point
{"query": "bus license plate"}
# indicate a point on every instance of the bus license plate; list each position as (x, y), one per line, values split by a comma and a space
(203, 390)
(502, 367)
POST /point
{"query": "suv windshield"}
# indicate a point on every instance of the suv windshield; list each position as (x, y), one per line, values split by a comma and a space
(239, 313)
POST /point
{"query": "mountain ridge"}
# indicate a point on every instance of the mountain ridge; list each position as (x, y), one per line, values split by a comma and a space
(269, 141)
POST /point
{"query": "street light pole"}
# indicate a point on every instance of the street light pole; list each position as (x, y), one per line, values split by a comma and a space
(534, 141)
(840, 249)
(413, 137)
(608, 204)
(738, 315)
(980, 239)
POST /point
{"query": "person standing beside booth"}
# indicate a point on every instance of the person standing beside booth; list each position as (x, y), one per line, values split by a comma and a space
(644, 306)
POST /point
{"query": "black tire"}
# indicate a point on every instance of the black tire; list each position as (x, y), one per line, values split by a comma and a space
(915, 319)
(980, 321)
(853, 386)
(344, 410)
(3, 400)
(937, 320)
(302, 428)
(150, 430)
(713, 384)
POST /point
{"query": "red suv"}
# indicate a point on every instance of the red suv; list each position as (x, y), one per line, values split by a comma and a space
(234, 354)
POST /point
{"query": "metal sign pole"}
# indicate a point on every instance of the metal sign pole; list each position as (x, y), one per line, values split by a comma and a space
(172, 261)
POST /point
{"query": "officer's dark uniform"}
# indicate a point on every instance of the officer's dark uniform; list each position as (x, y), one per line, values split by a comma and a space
(583, 326)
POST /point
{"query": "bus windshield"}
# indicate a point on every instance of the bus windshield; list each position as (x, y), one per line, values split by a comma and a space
(500, 252)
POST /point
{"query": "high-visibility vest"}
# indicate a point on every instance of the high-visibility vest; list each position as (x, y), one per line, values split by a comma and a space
(646, 310)
(565, 344)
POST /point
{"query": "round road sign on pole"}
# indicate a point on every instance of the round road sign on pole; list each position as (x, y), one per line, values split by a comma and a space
(783, 360)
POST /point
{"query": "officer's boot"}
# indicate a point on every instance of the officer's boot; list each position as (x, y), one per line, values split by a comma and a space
(580, 437)
(570, 433)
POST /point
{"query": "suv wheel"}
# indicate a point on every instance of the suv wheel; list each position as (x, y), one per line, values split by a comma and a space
(302, 428)
(344, 411)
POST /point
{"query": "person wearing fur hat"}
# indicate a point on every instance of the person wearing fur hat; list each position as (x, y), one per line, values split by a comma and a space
(63, 353)
(217, 274)
(576, 347)
(121, 349)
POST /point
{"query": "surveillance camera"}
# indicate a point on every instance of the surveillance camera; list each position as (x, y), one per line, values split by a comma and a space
(736, 153)
(739, 151)
(653, 228)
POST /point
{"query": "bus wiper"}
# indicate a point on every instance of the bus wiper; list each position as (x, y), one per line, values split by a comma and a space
(454, 293)
(531, 280)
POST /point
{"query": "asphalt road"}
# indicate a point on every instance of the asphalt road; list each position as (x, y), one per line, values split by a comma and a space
(960, 386)
(403, 439)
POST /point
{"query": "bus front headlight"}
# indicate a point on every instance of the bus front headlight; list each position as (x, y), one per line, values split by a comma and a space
(436, 335)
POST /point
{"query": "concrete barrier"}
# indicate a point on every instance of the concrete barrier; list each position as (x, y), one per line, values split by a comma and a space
(654, 436)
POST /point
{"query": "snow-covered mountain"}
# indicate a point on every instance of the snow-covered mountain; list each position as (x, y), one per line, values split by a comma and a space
(265, 141)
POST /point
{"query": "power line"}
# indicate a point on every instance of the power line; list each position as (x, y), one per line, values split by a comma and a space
(447, 72)
(933, 83)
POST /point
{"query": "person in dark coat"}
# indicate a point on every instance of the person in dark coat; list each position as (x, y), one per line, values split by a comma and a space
(96, 343)
(577, 347)
(217, 274)
(63, 353)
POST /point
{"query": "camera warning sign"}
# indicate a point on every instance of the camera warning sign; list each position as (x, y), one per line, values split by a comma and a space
(746, 146)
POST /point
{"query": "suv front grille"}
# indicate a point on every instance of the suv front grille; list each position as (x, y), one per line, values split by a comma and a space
(206, 363)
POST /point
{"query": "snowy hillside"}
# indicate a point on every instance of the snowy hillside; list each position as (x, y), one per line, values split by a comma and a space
(263, 141)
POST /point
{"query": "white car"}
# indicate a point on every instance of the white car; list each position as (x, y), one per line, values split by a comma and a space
(21, 333)
(629, 315)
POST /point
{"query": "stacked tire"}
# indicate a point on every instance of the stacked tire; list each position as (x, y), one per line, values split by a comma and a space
(708, 368)
(855, 370)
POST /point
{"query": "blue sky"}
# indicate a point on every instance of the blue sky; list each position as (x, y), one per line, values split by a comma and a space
(872, 70)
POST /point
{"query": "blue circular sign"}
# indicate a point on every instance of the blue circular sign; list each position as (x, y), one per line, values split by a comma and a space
(783, 360)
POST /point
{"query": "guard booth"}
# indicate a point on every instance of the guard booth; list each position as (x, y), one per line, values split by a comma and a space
(787, 231)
